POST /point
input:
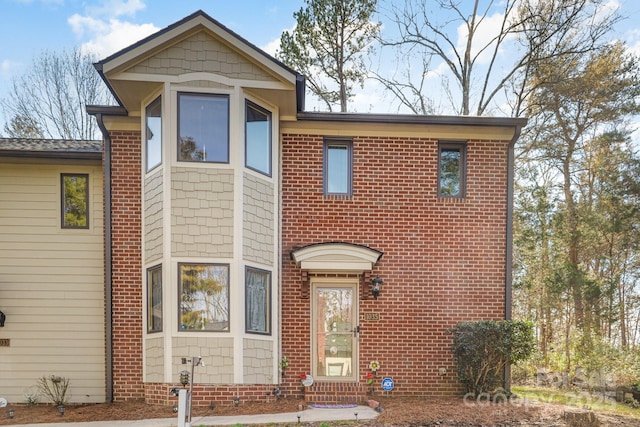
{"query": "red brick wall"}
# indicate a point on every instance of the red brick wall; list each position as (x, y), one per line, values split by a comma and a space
(126, 205)
(443, 262)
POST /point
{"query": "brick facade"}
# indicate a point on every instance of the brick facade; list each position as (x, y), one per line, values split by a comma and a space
(126, 207)
(444, 262)
(444, 259)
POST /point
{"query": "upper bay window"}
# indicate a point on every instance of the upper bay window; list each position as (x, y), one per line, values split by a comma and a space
(153, 125)
(338, 167)
(257, 138)
(452, 158)
(203, 127)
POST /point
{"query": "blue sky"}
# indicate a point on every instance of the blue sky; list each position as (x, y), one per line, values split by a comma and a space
(105, 26)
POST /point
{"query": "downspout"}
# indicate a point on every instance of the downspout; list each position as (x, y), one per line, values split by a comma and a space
(107, 258)
(508, 282)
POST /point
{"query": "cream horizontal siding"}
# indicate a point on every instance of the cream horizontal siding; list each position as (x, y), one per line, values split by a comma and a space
(51, 284)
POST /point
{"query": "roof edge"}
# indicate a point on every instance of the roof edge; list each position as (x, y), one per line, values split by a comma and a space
(413, 119)
(106, 110)
(60, 155)
(99, 66)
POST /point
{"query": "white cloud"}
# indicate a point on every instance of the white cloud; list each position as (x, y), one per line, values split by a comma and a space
(103, 33)
(116, 8)
(633, 41)
(7, 67)
(488, 29)
(108, 37)
(272, 47)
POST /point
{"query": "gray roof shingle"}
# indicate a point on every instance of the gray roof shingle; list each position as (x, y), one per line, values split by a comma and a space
(60, 148)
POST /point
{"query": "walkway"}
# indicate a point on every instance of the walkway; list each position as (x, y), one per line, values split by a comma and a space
(308, 415)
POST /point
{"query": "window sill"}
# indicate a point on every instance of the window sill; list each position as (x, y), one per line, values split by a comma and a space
(338, 197)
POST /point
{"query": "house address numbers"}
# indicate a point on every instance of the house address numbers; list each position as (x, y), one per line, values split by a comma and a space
(372, 317)
(5, 342)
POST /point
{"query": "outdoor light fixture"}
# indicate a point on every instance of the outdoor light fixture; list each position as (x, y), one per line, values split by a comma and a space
(61, 410)
(184, 378)
(376, 284)
(2, 318)
(10, 413)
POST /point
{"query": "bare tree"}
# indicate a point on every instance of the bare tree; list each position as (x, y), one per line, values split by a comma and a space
(23, 127)
(52, 96)
(483, 50)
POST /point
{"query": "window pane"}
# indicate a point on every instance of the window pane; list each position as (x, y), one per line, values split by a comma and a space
(203, 128)
(451, 172)
(338, 169)
(154, 299)
(204, 297)
(258, 135)
(154, 134)
(75, 201)
(257, 293)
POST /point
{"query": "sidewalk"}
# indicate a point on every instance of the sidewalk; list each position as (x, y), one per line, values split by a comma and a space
(308, 415)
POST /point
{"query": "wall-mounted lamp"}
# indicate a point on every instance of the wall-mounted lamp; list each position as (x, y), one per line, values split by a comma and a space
(2, 318)
(376, 284)
(184, 378)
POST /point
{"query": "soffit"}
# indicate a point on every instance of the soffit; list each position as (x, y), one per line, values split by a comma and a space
(400, 129)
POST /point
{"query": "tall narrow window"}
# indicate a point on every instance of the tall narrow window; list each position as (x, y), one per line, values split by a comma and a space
(258, 301)
(153, 117)
(154, 299)
(451, 169)
(203, 128)
(204, 297)
(338, 166)
(257, 138)
(75, 200)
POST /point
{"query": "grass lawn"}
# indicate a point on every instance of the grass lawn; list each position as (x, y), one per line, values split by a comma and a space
(579, 399)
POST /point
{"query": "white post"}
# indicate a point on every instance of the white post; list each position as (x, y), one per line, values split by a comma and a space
(182, 408)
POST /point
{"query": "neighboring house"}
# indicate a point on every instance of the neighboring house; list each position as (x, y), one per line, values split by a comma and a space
(51, 266)
(245, 230)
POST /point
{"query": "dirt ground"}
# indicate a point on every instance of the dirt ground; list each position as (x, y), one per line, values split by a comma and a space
(397, 411)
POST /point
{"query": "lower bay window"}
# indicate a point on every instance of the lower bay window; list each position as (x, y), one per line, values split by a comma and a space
(203, 297)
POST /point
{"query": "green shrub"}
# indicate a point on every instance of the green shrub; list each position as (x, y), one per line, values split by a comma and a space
(482, 350)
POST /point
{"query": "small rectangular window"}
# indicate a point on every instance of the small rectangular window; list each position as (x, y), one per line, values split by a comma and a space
(154, 299)
(338, 166)
(257, 138)
(203, 297)
(153, 118)
(203, 128)
(75, 200)
(258, 301)
(451, 170)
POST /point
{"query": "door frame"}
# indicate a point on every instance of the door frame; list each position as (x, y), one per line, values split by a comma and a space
(352, 283)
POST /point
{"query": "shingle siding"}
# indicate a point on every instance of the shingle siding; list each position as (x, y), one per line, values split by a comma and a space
(258, 220)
